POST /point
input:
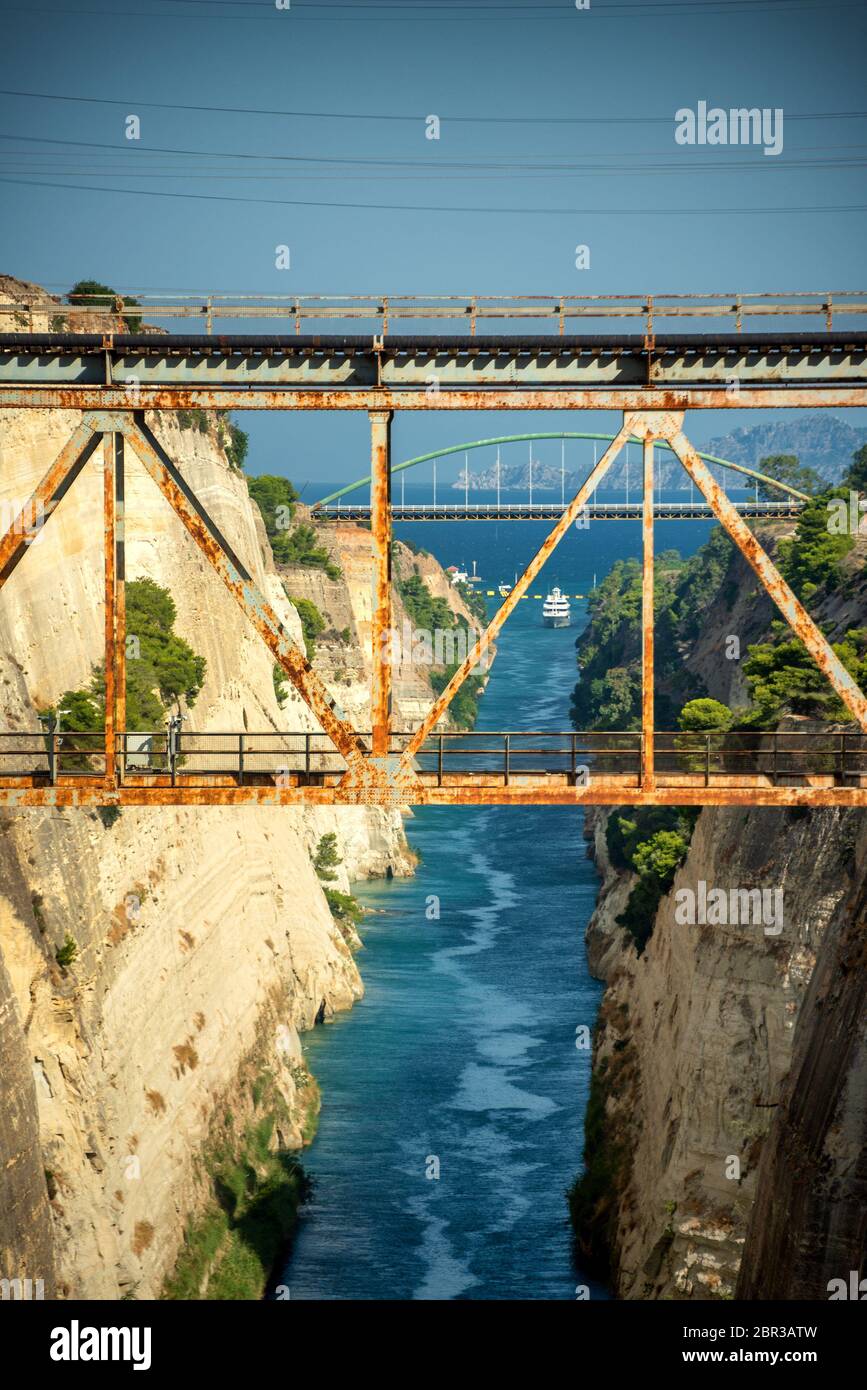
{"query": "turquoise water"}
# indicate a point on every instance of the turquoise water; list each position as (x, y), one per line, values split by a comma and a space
(461, 1058)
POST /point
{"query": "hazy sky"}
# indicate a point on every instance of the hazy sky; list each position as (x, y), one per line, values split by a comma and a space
(653, 213)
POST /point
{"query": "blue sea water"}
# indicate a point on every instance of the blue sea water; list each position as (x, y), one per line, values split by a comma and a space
(453, 1093)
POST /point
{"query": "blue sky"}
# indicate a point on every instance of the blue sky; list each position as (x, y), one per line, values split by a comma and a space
(654, 214)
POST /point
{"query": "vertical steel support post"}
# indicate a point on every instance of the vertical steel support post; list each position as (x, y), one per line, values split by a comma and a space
(648, 776)
(110, 554)
(120, 599)
(380, 525)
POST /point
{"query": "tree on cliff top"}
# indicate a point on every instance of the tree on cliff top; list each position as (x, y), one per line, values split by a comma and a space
(103, 297)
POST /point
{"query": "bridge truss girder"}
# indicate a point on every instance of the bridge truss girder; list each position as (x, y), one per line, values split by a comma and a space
(376, 777)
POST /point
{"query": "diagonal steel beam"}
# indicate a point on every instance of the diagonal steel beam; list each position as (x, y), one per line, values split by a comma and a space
(109, 502)
(380, 532)
(53, 487)
(240, 584)
(648, 776)
(473, 657)
(791, 608)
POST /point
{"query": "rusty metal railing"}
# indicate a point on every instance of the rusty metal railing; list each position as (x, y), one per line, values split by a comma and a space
(835, 756)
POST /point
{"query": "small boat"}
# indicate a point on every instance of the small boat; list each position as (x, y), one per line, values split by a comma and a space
(504, 589)
(556, 611)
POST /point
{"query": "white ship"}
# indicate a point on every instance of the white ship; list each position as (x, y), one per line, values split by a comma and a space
(556, 611)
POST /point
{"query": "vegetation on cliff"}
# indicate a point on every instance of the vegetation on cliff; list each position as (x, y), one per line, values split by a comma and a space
(255, 1188)
(101, 296)
(608, 695)
(161, 670)
(781, 679)
(312, 622)
(345, 909)
(276, 498)
(652, 842)
(430, 613)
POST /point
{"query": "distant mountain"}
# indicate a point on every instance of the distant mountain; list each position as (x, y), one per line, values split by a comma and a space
(517, 475)
(823, 441)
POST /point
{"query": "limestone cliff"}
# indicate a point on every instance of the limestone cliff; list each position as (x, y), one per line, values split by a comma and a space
(203, 941)
(695, 1040)
(726, 1126)
(343, 650)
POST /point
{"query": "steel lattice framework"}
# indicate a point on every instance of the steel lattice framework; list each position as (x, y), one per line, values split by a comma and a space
(113, 378)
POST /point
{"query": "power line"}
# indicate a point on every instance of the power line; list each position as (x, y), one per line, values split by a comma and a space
(427, 208)
(130, 103)
(532, 164)
(295, 177)
(627, 9)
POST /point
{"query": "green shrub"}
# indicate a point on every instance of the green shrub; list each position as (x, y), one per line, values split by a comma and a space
(194, 419)
(275, 497)
(236, 444)
(66, 954)
(312, 622)
(165, 670)
(281, 689)
(326, 858)
(344, 908)
(782, 676)
(652, 843)
(811, 558)
(103, 296)
(700, 716)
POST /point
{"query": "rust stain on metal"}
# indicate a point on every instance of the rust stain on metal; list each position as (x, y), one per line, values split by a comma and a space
(120, 585)
(417, 398)
(647, 675)
(379, 781)
(380, 526)
(791, 608)
(441, 704)
(110, 601)
(599, 792)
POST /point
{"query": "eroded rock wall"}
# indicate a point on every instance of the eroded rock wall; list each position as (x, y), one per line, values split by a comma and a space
(696, 1038)
(202, 937)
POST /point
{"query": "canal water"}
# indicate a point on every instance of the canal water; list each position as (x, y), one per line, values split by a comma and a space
(453, 1093)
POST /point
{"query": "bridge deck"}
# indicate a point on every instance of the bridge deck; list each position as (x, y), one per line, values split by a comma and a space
(422, 371)
(810, 767)
(551, 511)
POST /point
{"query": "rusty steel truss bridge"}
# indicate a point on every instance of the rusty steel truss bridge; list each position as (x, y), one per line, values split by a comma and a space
(113, 377)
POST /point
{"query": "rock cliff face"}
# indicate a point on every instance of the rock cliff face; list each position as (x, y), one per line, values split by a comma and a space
(204, 941)
(696, 1035)
(807, 1227)
(347, 604)
(728, 1118)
